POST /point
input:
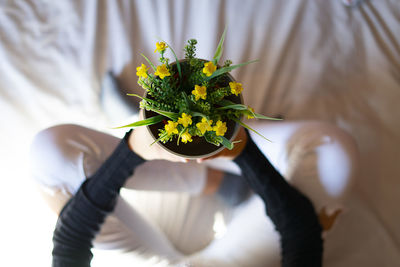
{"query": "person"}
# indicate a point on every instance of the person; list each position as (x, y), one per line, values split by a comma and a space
(99, 196)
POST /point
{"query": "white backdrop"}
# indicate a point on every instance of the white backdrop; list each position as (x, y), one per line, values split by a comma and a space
(317, 60)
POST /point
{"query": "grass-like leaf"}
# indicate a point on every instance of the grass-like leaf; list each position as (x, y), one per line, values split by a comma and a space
(172, 115)
(158, 139)
(220, 48)
(251, 129)
(224, 70)
(180, 135)
(178, 65)
(260, 116)
(143, 98)
(148, 61)
(187, 100)
(149, 121)
(208, 139)
(227, 104)
(226, 143)
(199, 114)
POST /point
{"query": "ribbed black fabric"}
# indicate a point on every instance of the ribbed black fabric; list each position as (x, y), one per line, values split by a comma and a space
(291, 212)
(233, 189)
(104, 185)
(81, 218)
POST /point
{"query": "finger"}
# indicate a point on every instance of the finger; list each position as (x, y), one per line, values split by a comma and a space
(201, 160)
(336, 213)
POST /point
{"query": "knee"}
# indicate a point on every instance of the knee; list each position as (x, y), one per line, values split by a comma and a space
(48, 141)
(49, 153)
(323, 158)
(337, 160)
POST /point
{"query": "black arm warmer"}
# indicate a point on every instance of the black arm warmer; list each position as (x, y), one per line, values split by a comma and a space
(291, 212)
(82, 216)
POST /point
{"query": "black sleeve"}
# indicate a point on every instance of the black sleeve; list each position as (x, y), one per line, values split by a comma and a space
(82, 216)
(291, 212)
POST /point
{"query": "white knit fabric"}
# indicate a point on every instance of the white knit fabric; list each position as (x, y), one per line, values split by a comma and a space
(161, 213)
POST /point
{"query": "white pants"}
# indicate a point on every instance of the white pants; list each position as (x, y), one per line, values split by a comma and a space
(160, 211)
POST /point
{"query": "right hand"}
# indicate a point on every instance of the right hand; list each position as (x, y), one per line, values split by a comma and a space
(140, 141)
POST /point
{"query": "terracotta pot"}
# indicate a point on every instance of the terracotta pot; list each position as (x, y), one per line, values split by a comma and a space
(199, 147)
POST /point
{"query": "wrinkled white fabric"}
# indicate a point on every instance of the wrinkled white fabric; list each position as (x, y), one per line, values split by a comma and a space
(161, 213)
(317, 60)
(64, 156)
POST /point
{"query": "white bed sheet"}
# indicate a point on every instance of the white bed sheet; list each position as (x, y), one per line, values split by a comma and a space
(317, 60)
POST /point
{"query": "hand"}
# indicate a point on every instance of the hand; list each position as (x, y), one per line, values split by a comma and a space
(237, 149)
(140, 141)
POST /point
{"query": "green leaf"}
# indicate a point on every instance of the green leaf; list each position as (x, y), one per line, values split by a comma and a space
(178, 65)
(224, 70)
(143, 98)
(187, 100)
(216, 142)
(149, 121)
(251, 129)
(180, 134)
(235, 106)
(198, 114)
(220, 48)
(148, 60)
(226, 143)
(227, 104)
(260, 116)
(158, 139)
(172, 115)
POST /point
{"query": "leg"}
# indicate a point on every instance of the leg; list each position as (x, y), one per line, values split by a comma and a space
(63, 156)
(250, 240)
(317, 158)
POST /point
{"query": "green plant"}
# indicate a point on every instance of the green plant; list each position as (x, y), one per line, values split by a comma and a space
(193, 97)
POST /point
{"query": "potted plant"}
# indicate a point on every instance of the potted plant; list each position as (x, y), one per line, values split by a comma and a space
(192, 107)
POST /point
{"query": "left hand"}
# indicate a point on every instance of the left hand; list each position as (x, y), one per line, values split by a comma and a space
(237, 149)
(140, 142)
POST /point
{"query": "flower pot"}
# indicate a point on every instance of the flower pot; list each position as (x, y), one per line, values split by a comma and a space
(199, 147)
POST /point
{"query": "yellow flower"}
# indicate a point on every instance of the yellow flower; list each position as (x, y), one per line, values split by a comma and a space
(220, 128)
(186, 137)
(162, 71)
(142, 71)
(200, 92)
(160, 46)
(171, 127)
(209, 68)
(236, 88)
(185, 120)
(204, 125)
